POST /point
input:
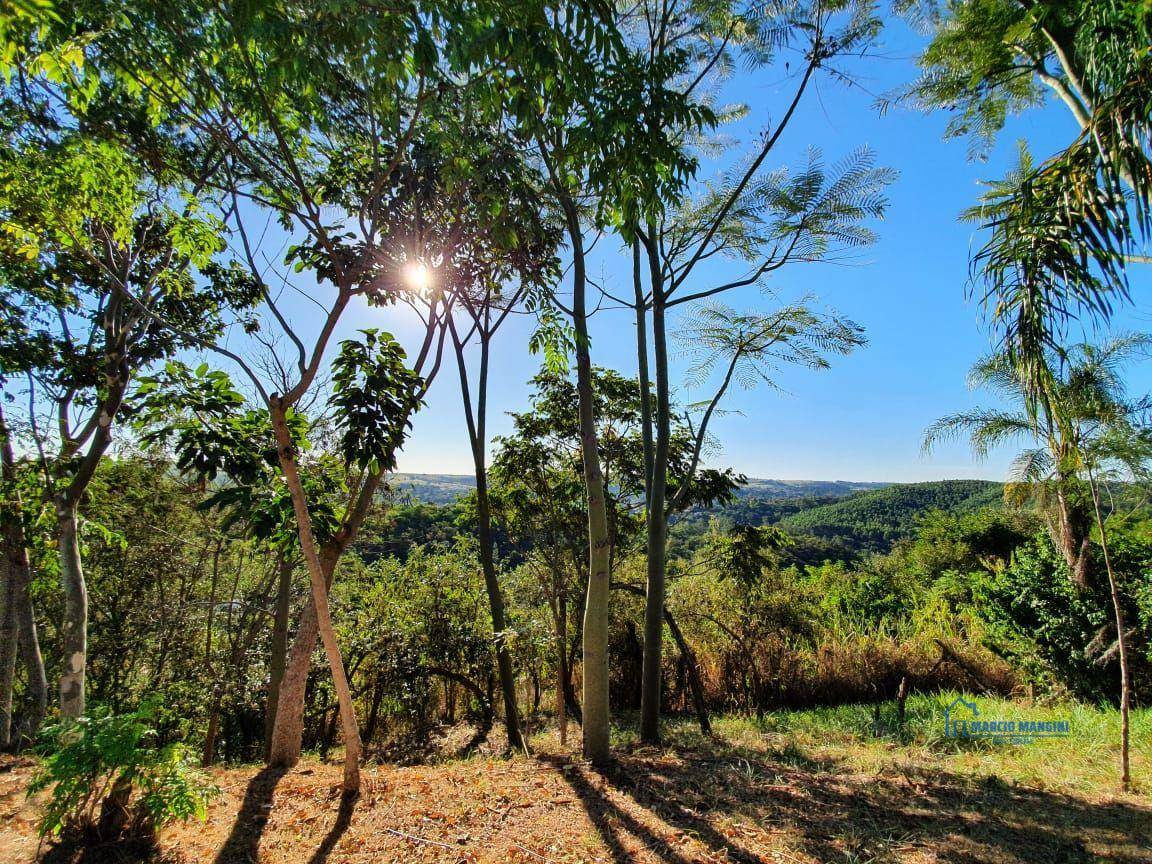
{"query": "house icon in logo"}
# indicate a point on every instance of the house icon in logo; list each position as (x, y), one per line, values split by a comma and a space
(957, 716)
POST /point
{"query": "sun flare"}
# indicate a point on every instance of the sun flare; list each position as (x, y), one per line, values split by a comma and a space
(417, 276)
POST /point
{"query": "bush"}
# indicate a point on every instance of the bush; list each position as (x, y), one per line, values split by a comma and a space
(109, 776)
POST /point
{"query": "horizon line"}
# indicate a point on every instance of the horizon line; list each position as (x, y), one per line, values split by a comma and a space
(750, 479)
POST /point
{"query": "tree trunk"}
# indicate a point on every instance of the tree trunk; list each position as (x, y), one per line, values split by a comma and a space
(476, 423)
(562, 679)
(642, 373)
(279, 649)
(1121, 641)
(496, 607)
(74, 629)
(595, 708)
(374, 711)
(20, 637)
(1074, 542)
(9, 645)
(37, 683)
(18, 614)
(650, 687)
(213, 730)
(319, 582)
(288, 728)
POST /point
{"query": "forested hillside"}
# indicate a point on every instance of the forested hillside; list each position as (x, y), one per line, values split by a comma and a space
(445, 488)
(875, 520)
(834, 519)
(772, 489)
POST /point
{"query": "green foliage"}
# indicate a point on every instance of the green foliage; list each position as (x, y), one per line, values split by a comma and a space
(201, 414)
(545, 443)
(89, 760)
(754, 347)
(205, 423)
(374, 395)
(397, 530)
(178, 606)
(415, 622)
(1044, 622)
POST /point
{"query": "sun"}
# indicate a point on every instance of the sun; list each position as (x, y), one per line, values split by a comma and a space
(417, 276)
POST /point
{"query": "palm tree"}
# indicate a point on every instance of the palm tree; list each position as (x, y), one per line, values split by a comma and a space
(1084, 432)
(1059, 233)
(1042, 470)
(1116, 446)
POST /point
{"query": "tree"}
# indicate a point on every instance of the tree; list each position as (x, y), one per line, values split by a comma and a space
(18, 634)
(311, 113)
(1086, 431)
(538, 496)
(1059, 233)
(516, 245)
(607, 165)
(83, 216)
(1043, 471)
(763, 220)
(1115, 444)
(375, 394)
(691, 47)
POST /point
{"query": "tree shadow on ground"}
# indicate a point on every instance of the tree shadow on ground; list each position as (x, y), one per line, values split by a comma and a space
(87, 850)
(343, 820)
(243, 843)
(614, 822)
(741, 803)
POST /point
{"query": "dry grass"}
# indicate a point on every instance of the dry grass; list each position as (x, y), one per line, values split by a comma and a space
(806, 787)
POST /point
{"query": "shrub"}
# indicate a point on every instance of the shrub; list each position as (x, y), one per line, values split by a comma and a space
(110, 776)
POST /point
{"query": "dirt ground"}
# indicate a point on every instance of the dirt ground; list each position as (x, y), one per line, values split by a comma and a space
(722, 803)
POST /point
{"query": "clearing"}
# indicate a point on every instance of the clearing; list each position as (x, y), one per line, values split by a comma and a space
(813, 786)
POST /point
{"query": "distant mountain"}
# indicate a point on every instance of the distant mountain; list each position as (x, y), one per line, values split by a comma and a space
(874, 520)
(446, 488)
(431, 488)
(846, 517)
(804, 488)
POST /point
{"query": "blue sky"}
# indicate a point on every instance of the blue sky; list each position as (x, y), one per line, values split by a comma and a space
(864, 418)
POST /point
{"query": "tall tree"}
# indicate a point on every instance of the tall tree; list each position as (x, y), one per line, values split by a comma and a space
(84, 217)
(539, 502)
(18, 633)
(764, 220)
(607, 167)
(491, 239)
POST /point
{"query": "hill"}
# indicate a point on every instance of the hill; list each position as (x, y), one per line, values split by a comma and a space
(446, 488)
(875, 519)
(775, 489)
(852, 517)
(431, 488)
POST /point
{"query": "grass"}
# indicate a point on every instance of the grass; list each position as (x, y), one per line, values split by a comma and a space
(1087, 761)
